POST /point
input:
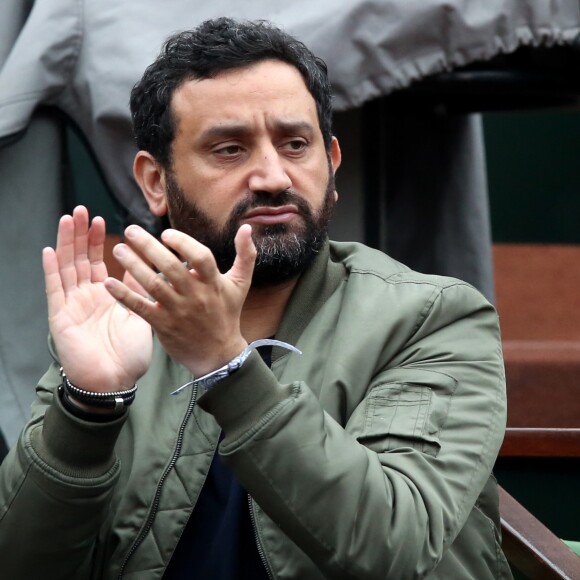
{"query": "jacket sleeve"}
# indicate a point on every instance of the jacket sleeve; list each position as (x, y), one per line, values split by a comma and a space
(385, 494)
(54, 494)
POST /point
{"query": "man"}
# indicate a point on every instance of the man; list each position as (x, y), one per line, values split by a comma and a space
(368, 455)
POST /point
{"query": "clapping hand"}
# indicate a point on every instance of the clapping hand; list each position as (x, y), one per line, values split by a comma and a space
(101, 345)
(102, 327)
(194, 309)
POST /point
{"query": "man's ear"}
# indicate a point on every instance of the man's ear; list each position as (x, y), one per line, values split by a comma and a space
(150, 176)
(335, 159)
(335, 154)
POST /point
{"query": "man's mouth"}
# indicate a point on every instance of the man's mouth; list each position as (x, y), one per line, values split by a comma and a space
(266, 215)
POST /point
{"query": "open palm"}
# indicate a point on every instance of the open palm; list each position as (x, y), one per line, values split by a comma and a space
(101, 345)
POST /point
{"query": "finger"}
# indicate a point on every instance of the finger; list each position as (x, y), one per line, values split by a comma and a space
(198, 256)
(81, 244)
(96, 249)
(150, 283)
(132, 300)
(163, 259)
(243, 266)
(132, 284)
(52, 282)
(65, 252)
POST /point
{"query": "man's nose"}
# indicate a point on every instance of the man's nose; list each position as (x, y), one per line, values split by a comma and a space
(268, 173)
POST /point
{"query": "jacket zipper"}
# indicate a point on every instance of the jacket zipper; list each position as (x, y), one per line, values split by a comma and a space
(157, 496)
(257, 538)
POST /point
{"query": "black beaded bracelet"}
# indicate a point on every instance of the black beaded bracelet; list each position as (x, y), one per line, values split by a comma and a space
(116, 401)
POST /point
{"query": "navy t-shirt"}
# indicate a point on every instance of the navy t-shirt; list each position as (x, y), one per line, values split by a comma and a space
(219, 541)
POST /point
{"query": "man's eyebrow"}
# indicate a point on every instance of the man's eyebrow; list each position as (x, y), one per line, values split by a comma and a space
(225, 131)
(240, 130)
(292, 127)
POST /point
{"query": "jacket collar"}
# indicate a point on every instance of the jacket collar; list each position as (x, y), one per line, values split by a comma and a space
(314, 287)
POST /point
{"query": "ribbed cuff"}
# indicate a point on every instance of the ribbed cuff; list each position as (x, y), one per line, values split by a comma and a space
(241, 400)
(73, 446)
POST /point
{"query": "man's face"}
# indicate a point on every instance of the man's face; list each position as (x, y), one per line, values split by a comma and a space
(283, 251)
(248, 149)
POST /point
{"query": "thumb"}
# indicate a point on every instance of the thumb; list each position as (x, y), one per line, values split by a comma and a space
(243, 266)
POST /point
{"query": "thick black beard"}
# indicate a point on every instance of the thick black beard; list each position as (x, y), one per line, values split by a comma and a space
(283, 251)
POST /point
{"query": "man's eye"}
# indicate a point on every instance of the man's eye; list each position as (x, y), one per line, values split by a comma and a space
(228, 150)
(295, 145)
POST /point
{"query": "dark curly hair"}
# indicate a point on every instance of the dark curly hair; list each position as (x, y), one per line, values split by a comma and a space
(215, 46)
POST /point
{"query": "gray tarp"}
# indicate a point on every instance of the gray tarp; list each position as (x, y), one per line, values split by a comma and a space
(30, 185)
(83, 58)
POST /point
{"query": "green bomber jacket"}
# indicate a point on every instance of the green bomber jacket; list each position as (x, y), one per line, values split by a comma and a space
(369, 456)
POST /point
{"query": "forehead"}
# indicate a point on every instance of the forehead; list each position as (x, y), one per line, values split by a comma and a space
(267, 90)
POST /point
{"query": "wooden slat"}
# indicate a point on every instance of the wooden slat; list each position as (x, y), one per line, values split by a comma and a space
(537, 291)
(531, 547)
(540, 442)
(543, 389)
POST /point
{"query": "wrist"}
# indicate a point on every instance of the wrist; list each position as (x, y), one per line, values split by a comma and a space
(81, 401)
(214, 360)
(208, 380)
(86, 407)
(86, 412)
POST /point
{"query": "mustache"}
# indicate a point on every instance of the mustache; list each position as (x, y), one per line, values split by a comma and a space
(265, 199)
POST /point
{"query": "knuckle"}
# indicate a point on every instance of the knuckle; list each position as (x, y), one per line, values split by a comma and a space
(174, 269)
(204, 255)
(140, 307)
(157, 286)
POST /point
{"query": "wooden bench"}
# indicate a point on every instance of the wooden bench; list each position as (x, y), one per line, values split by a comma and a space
(538, 300)
(531, 547)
